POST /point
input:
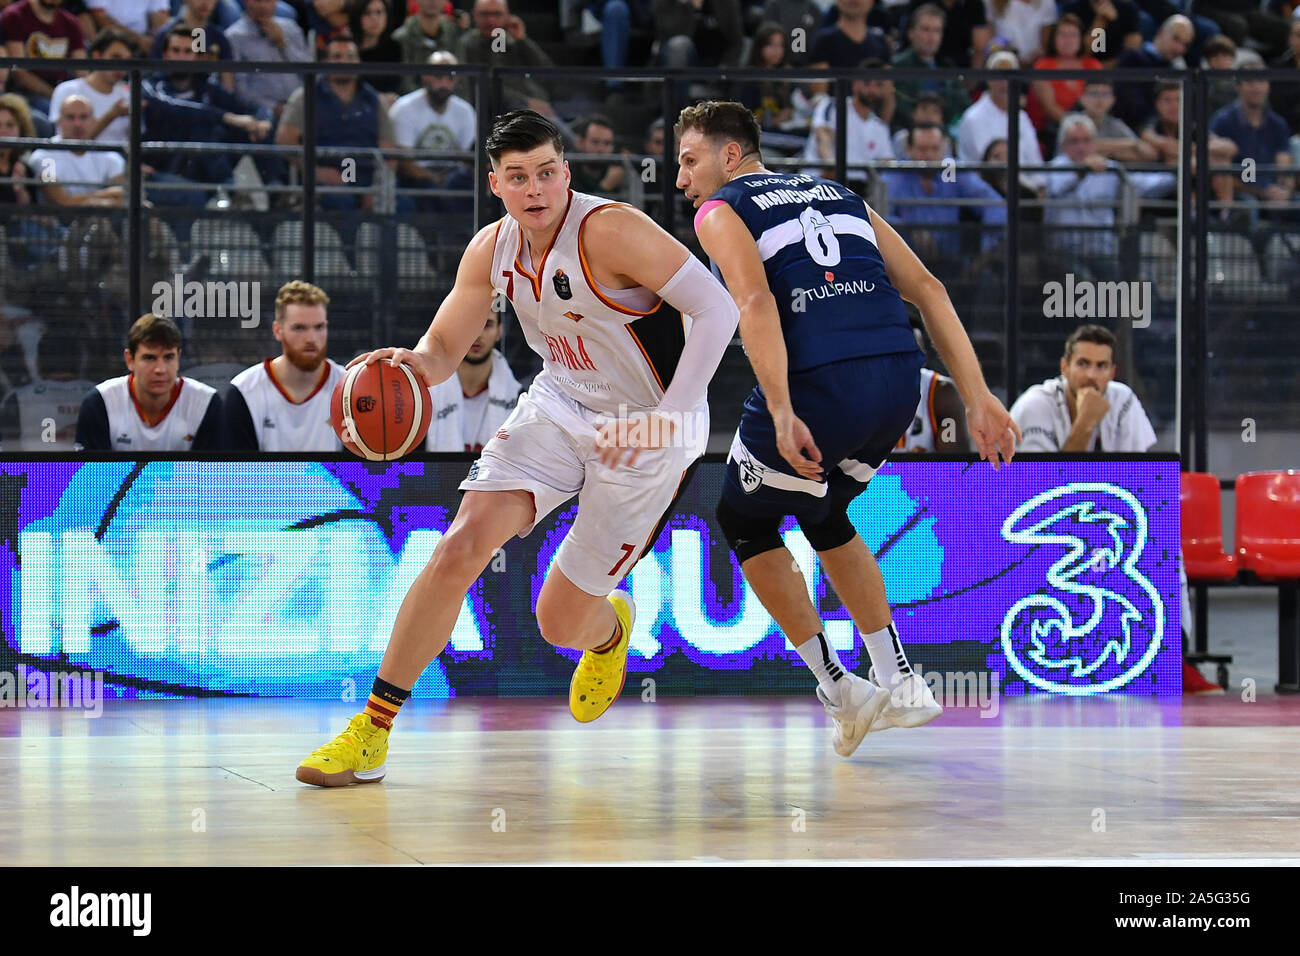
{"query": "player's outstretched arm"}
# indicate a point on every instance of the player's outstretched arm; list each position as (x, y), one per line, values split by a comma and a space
(633, 246)
(728, 243)
(992, 428)
(459, 319)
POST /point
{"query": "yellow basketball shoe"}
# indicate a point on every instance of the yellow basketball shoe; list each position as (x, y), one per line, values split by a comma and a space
(355, 756)
(599, 678)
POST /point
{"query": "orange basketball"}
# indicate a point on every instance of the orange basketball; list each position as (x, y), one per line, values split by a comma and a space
(384, 411)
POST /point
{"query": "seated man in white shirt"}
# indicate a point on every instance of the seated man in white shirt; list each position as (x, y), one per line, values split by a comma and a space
(78, 178)
(986, 120)
(151, 408)
(433, 117)
(1084, 410)
(470, 406)
(104, 89)
(868, 134)
(283, 403)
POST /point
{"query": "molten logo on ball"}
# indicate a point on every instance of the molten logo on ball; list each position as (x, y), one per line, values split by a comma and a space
(365, 404)
(399, 402)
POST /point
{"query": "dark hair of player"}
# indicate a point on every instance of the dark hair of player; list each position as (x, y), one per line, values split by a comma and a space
(156, 330)
(722, 123)
(521, 131)
(1096, 334)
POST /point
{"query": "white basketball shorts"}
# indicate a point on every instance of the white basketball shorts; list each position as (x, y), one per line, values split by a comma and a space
(548, 447)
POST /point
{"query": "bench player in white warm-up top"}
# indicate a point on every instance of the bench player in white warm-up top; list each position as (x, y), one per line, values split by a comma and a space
(616, 416)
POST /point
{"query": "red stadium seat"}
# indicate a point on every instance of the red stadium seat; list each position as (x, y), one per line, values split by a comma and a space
(1268, 524)
(1203, 555)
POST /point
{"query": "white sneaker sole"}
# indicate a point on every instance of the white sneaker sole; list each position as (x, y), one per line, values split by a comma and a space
(862, 725)
(318, 778)
(908, 716)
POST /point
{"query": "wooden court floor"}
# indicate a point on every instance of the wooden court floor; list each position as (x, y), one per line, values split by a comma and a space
(518, 781)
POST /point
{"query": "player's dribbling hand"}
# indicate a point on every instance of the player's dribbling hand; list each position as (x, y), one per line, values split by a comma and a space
(994, 430)
(627, 437)
(795, 443)
(413, 360)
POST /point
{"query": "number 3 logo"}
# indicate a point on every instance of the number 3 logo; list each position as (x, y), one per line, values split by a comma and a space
(819, 238)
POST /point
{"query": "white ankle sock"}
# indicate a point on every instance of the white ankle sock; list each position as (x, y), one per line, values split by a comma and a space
(887, 656)
(825, 664)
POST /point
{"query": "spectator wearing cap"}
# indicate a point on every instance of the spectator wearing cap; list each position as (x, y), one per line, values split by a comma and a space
(349, 113)
(986, 120)
(434, 117)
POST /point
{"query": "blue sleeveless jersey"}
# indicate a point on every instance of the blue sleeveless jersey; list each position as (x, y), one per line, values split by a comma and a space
(823, 267)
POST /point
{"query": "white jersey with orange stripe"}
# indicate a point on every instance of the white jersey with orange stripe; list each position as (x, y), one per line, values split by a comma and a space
(602, 347)
(923, 435)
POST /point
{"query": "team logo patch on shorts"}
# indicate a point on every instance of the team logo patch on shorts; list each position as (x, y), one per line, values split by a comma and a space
(476, 471)
(750, 472)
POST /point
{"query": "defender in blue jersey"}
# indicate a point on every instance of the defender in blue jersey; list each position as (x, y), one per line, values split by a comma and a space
(821, 280)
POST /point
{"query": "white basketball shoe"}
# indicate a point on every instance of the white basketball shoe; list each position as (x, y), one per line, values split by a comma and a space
(910, 702)
(860, 704)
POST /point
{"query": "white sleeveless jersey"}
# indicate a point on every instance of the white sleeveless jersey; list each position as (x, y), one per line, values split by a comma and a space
(922, 436)
(48, 408)
(603, 348)
(282, 424)
(175, 431)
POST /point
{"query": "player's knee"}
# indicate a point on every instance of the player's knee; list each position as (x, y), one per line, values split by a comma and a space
(461, 555)
(831, 532)
(560, 625)
(748, 535)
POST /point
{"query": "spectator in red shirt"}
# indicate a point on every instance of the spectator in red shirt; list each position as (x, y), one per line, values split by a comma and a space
(1050, 100)
(41, 28)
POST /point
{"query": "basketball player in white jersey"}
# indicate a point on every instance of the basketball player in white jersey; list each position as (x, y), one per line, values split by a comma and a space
(471, 405)
(42, 415)
(283, 404)
(940, 421)
(152, 407)
(601, 292)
